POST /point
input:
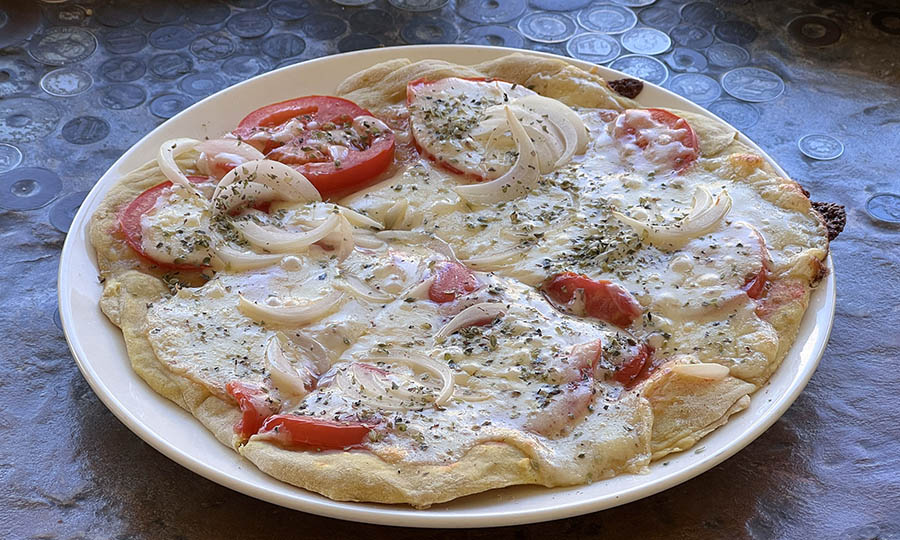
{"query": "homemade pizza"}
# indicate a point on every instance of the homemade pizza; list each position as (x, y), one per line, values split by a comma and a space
(446, 279)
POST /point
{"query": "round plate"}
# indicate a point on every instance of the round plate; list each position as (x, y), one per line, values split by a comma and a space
(98, 347)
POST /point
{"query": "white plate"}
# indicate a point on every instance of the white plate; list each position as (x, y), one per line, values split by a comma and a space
(98, 347)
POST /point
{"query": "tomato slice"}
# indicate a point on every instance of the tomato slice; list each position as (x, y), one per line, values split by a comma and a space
(130, 222)
(664, 137)
(755, 285)
(293, 430)
(637, 368)
(255, 407)
(321, 143)
(450, 281)
(603, 299)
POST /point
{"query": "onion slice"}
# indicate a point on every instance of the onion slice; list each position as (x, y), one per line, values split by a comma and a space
(704, 215)
(288, 378)
(284, 180)
(518, 181)
(165, 159)
(234, 151)
(422, 363)
(493, 261)
(471, 316)
(714, 372)
(359, 289)
(279, 241)
(563, 118)
(292, 315)
(225, 257)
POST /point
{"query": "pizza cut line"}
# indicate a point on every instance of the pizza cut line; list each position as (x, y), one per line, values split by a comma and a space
(447, 279)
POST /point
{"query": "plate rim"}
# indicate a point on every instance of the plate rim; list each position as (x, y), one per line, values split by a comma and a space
(404, 515)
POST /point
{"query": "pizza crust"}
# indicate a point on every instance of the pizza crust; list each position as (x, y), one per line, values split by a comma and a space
(680, 410)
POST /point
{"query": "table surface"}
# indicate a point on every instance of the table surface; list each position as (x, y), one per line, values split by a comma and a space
(82, 80)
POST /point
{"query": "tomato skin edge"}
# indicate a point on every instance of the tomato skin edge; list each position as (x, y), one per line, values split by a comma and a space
(603, 299)
(128, 221)
(252, 401)
(451, 280)
(637, 369)
(308, 432)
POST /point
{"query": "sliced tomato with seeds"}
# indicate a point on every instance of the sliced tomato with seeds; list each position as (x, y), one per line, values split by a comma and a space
(663, 137)
(451, 280)
(323, 139)
(306, 431)
(601, 298)
(130, 222)
(255, 407)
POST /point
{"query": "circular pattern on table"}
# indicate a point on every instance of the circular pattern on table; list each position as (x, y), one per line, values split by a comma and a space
(490, 11)
(727, 55)
(26, 119)
(737, 32)
(213, 46)
(16, 76)
(607, 18)
(547, 27)
(372, 21)
(120, 97)
(659, 17)
(358, 42)
(814, 30)
(66, 82)
(247, 4)
(289, 10)
(171, 37)
(737, 113)
(250, 24)
(71, 15)
(887, 21)
(692, 37)
(281, 46)
(321, 26)
(245, 66)
(593, 47)
(63, 45)
(704, 13)
(85, 130)
(122, 69)
(163, 12)
(168, 105)
(28, 188)
(116, 16)
(352, 3)
(202, 84)
(429, 30)
(643, 67)
(820, 147)
(753, 84)
(689, 60)
(123, 41)
(559, 5)
(634, 3)
(696, 87)
(170, 65)
(493, 34)
(18, 20)
(884, 207)
(645, 40)
(208, 13)
(57, 320)
(10, 157)
(418, 5)
(63, 211)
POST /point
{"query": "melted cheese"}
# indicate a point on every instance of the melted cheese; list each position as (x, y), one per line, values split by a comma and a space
(176, 229)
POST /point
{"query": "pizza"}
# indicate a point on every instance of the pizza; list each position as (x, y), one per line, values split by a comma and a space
(447, 279)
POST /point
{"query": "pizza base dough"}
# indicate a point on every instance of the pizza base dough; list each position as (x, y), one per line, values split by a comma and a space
(681, 409)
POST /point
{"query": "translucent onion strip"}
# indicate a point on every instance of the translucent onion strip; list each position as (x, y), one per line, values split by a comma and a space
(232, 151)
(284, 180)
(518, 181)
(296, 380)
(703, 217)
(471, 316)
(295, 315)
(422, 363)
(493, 261)
(226, 257)
(358, 288)
(714, 372)
(165, 159)
(563, 118)
(279, 241)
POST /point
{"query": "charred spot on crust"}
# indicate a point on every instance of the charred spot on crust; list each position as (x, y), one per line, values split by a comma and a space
(834, 216)
(804, 191)
(629, 88)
